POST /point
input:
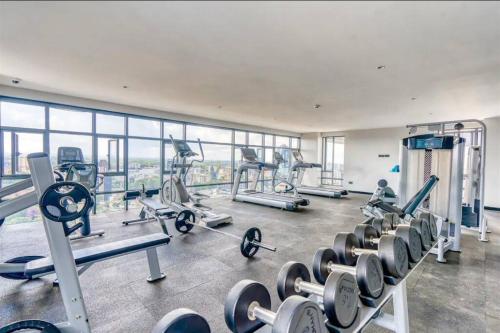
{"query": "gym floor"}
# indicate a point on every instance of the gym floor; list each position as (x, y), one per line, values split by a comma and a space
(201, 267)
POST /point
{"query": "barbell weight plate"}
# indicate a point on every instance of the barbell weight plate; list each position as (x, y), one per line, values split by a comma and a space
(297, 315)
(238, 301)
(65, 201)
(370, 275)
(393, 254)
(365, 233)
(413, 241)
(287, 278)
(340, 300)
(19, 260)
(182, 321)
(30, 325)
(343, 246)
(249, 243)
(182, 219)
(321, 259)
(423, 229)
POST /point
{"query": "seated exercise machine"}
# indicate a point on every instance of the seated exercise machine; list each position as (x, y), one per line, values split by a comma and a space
(60, 204)
(384, 193)
(250, 162)
(174, 191)
(71, 167)
(297, 172)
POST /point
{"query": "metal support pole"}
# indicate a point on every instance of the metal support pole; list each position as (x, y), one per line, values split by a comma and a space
(154, 265)
(400, 301)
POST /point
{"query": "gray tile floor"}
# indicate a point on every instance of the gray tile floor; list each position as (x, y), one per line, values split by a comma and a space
(201, 267)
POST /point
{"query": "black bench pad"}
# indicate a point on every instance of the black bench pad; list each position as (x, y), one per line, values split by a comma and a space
(100, 252)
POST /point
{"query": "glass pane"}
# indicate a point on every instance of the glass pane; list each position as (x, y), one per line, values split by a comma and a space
(237, 163)
(295, 142)
(240, 138)
(215, 169)
(285, 166)
(211, 134)
(143, 127)
(169, 155)
(328, 164)
(255, 139)
(25, 144)
(22, 115)
(268, 140)
(269, 155)
(110, 203)
(108, 124)
(282, 141)
(110, 155)
(143, 163)
(70, 140)
(70, 120)
(31, 214)
(174, 129)
(338, 157)
(7, 153)
(112, 184)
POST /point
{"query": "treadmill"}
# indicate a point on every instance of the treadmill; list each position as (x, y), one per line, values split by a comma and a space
(297, 172)
(282, 201)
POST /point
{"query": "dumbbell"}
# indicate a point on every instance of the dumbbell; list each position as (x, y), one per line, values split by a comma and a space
(368, 271)
(368, 238)
(391, 251)
(182, 321)
(339, 294)
(248, 304)
(431, 220)
(391, 221)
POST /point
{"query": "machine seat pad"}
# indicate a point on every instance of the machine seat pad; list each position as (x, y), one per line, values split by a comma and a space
(153, 204)
(101, 252)
(386, 207)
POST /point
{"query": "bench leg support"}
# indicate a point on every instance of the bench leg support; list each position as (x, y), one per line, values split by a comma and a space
(154, 266)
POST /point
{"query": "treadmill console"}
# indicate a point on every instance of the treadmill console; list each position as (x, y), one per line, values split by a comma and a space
(69, 155)
(249, 154)
(183, 149)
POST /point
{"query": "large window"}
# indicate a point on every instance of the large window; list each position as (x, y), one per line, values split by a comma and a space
(333, 160)
(129, 150)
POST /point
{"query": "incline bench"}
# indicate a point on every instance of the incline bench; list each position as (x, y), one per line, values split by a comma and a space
(85, 258)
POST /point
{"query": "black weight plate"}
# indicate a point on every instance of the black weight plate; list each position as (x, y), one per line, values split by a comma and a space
(431, 220)
(248, 246)
(343, 245)
(239, 299)
(341, 299)
(182, 219)
(413, 241)
(65, 201)
(381, 225)
(321, 259)
(287, 278)
(392, 219)
(394, 256)
(423, 229)
(365, 234)
(182, 321)
(37, 325)
(297, 315)
(370, 275)
(19, 260)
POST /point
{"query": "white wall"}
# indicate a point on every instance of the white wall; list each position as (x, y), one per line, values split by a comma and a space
(101, 105)
(492, 181)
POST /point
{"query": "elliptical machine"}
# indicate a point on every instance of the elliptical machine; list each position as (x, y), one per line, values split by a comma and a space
(174, 192)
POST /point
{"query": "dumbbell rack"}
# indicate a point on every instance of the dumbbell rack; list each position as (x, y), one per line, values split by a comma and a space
(397, 322)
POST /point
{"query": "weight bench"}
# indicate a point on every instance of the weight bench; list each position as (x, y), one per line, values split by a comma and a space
(151, 209)
(84, 258)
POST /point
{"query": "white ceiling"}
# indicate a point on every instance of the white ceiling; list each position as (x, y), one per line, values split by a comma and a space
(265, 64)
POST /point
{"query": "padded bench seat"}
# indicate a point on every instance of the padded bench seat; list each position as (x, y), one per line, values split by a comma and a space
(100, 252)
(386, 207)
(158, 207)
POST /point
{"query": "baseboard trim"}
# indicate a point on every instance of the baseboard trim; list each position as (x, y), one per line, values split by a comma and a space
(496, 209)
(360, 192)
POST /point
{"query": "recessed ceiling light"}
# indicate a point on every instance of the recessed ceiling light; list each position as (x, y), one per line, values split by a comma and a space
(125, 87)
(16, 81)
(317, 106)
(413, 98)
(381, 67)
(219, 106)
